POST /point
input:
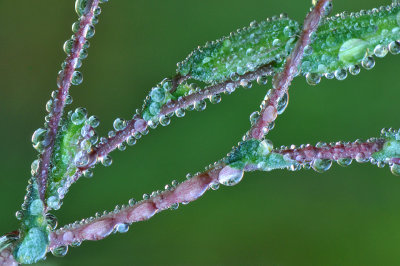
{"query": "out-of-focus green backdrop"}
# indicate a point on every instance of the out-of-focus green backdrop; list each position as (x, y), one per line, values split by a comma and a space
(347, 216)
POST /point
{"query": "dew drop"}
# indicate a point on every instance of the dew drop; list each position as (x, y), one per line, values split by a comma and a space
(75, 27)
(265, 147)
(180, 112)
(200, 105)
(313, 78)
(262, 80)
(254, 117)
(165, 120)
(88, 173)
(344, 162)
(122, 228)
(214, 99)
(229, 176)
(380, 50)
(354, 70)
(119, 124)
(94, 121)
(321, 165)
(174, 206)
(19, 215)
(51, 220)
(394, 47)
(68, 46)
(368, 62)
(53, 202)
(60, 251)
(131, 141)
(157, 94)
(90, 32)
(34, 167)
(395, 169)
(282, 104)
(39, 141)
(79, 116)
(106, 160)
(77, 78)
(341, 74)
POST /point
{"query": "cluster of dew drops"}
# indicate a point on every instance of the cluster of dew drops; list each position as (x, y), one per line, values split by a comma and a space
(355, 45)
(157, 95)
(40, 140)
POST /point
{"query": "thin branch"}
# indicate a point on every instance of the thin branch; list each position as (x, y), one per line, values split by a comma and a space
(190, 190)
(282, 80)
(360, 151)
(227, 86)
(64, 83)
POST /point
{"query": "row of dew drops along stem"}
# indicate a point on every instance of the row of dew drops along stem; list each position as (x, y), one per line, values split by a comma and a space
(357, 48)
(39, 137)
(39, 140)
(119, 227)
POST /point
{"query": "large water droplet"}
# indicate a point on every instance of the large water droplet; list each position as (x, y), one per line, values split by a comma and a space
(321, 165)
(39, 140)
(282, 104)
(229, 176)
(352, 50)
(265, 147)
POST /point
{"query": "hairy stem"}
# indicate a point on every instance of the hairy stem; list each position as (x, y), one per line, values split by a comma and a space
(190, 190)
(282, 80)
(64, 84)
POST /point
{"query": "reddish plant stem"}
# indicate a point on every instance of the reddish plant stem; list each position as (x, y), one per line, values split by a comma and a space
(355, 150)
(59, 103)
(205, 93)
(192, 189)
(137, 124)
(100, 228)
(282, 80)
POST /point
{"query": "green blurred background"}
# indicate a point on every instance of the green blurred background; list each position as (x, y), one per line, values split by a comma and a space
(347, 216)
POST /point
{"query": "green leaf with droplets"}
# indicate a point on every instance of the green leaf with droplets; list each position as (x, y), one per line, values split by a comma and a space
(242, 51)
(346, 39)
(34, 233)
(69, 143)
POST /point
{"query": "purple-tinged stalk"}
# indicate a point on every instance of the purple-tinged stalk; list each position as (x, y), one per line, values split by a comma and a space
(64, 83)
(119, 221)
(101, 226)
(282, 80)
(227, 86)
